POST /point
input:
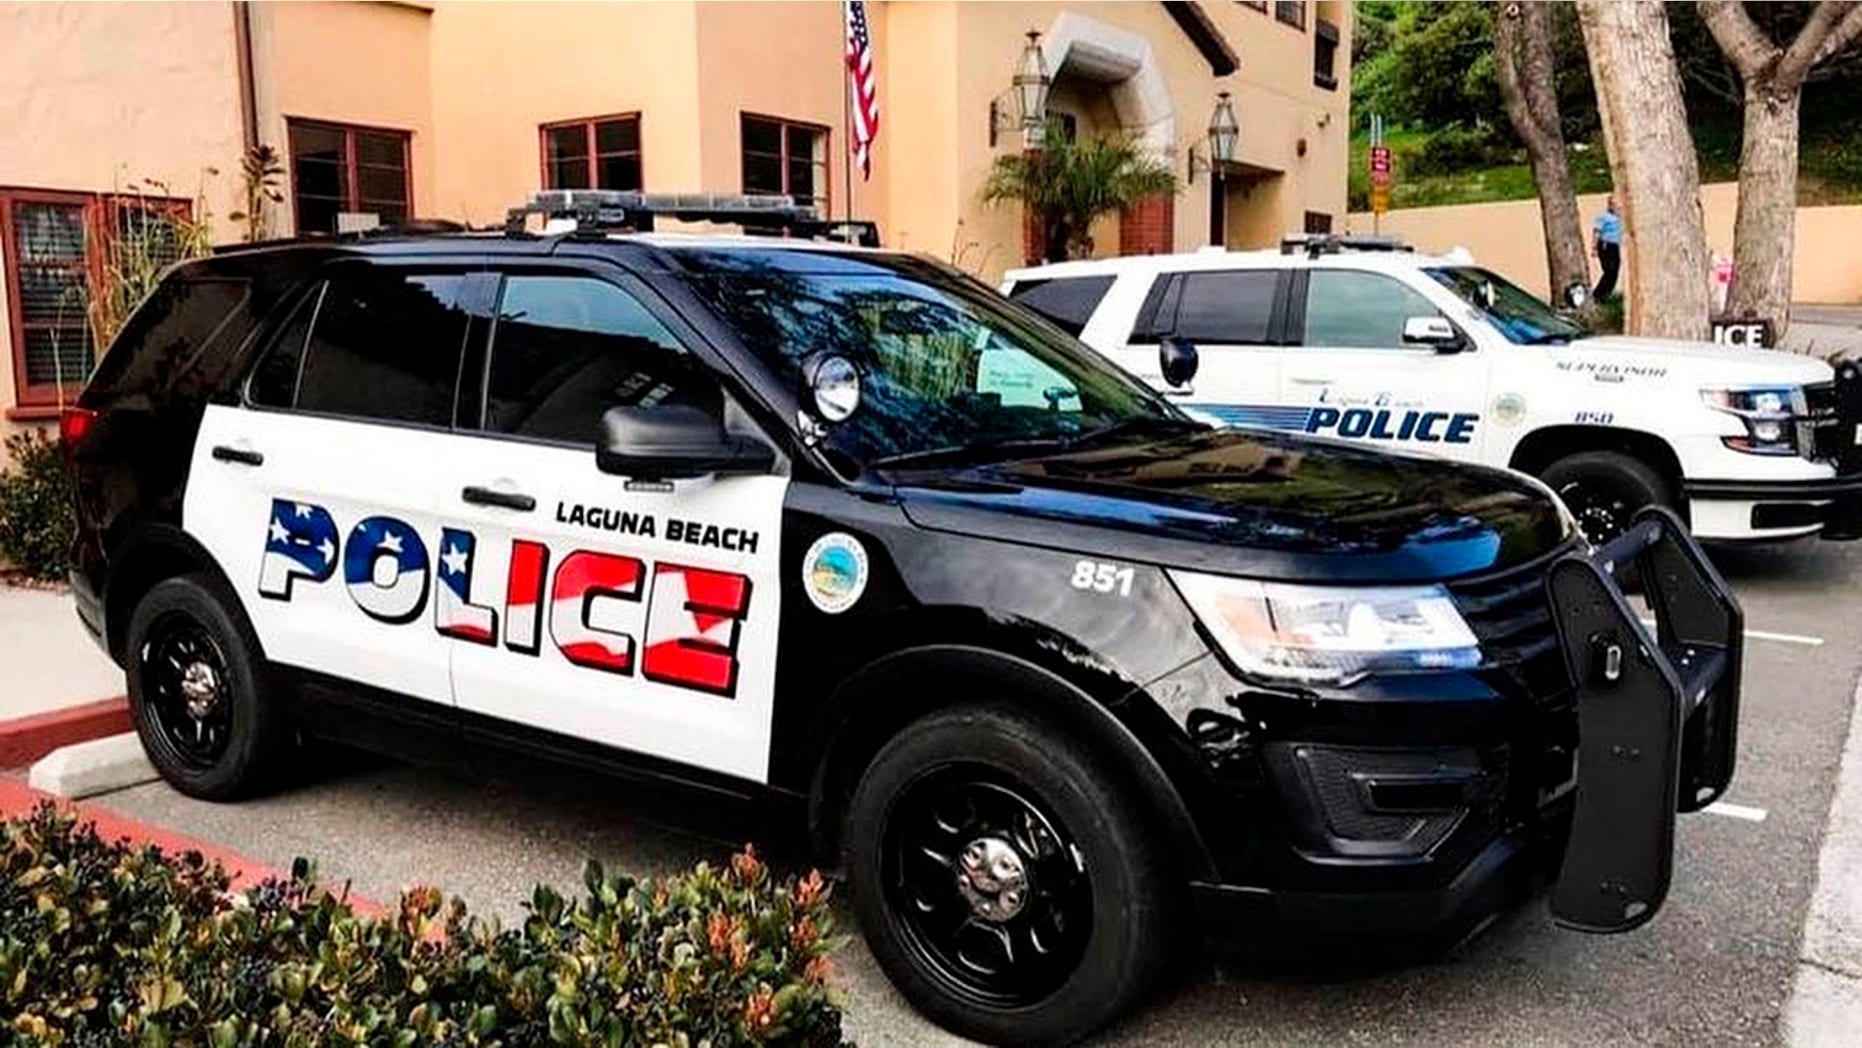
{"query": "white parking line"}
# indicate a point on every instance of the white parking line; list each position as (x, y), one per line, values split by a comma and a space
(1736, 811)
(1782, 638)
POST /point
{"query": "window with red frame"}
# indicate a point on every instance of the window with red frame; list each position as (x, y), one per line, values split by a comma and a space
(338, 168)
(56, 249)
(596, 153)
(782, 156)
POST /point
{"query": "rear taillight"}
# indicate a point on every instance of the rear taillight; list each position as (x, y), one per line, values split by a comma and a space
(74, 424)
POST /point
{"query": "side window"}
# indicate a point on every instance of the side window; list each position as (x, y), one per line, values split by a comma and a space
(1353, 309)
(177, 323)
(380, 345)
(1234, 306)
(567, 348)
(1067, 302)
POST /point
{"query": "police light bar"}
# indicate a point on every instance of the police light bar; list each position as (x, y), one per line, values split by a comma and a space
(1316, 244)
(599, 212)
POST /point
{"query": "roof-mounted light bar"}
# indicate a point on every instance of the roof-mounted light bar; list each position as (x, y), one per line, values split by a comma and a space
(598, 212)
(1316, 244)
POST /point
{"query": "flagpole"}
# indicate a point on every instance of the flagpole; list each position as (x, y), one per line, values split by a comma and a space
(846, 109)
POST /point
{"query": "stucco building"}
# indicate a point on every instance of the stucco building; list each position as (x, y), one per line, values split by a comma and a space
(458, 110)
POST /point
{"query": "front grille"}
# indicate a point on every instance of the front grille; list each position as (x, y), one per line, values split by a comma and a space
(1511, 616)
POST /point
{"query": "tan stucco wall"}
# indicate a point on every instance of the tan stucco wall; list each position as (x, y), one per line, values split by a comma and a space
(352, 63)
(1509, 238)
(95, 97)
(1275, 101)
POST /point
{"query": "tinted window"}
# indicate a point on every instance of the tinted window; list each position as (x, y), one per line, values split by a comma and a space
(1235, 306)
(377, 345)
(1068, 301)
(568, 348)
(1356, 309)
(173, 327)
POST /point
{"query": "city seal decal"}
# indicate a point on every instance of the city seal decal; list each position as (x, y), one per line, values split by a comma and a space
(834, 572)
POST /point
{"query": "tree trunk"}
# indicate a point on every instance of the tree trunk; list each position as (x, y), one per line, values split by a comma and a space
(1652, 164)
(1765, 228)
(1525, 70)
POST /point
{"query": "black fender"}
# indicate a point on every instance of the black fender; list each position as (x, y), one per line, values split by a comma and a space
(145, 555)
(887, 694)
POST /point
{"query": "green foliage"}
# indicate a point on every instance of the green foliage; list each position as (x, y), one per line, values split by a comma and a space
(108, 944)
(150, 234)
(37, 520)
(261, 179)
(1071, 182)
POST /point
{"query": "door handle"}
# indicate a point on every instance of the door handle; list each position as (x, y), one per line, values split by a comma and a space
(243, 456)
(1309, 380)
(491, 497)
(1179, 391)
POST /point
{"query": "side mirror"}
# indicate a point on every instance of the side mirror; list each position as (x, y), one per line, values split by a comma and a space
(672, 441)
(1434, 331)
(1176, 360)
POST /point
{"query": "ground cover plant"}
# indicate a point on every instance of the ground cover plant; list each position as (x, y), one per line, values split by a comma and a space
(108, 943)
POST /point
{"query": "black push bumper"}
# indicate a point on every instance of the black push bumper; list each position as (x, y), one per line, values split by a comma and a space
(1658, 714)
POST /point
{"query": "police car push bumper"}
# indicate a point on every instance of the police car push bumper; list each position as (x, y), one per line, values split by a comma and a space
(1658, 715)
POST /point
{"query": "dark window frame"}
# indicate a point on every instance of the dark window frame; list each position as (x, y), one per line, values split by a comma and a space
(1283, 7)
(351, 199)
(823, 201)
(100, 213)
(593, 154)
(1325, 55)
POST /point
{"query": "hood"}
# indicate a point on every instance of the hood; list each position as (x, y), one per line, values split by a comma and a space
(1251, 503)
(1706, 360)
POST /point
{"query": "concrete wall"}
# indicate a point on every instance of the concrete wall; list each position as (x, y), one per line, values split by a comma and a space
(1508, 238)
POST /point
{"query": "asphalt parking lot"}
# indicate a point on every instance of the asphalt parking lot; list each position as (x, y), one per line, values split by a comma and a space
(1715, 966)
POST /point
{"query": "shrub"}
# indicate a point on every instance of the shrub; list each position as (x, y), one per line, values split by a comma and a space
(1456, 150)
(106, 943)
(36, 513)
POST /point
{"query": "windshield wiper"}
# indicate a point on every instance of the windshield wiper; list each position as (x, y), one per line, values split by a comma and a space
(1137, 424)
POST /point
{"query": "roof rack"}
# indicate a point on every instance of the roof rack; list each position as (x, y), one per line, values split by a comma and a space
(598, 212)
(1316, 244)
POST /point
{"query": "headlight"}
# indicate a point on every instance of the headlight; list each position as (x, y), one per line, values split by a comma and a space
(1768, 413)
(1329, 635)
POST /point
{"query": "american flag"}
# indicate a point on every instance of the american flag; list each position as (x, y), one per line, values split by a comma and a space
(865, 88)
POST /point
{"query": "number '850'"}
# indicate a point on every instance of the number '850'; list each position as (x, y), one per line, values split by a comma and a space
(1102, 578)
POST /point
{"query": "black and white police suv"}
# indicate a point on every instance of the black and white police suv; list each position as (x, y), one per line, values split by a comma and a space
(1063, 678)
(1361, 338)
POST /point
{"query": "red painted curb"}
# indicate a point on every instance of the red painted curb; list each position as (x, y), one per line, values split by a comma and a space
(18, 800)
(26, 739)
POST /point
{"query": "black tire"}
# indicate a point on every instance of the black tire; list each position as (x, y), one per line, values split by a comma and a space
(1606, 489)
(1096, 895)
(230, 741)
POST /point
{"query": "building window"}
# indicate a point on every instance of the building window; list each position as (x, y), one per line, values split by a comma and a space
(781, 156)
(597, 153)
(1291, 12)
(1325, 54)
(1318, 222)
(57, 248)
(337, 169)
(1258, 5)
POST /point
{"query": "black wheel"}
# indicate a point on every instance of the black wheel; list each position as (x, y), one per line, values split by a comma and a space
(1605, 490)
(195, 693)
(1004, 881)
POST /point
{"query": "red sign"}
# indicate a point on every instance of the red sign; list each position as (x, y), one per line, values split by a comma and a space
(1380, 165)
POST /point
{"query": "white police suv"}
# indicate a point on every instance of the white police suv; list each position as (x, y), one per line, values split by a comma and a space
(1357, 337)
(1061, 677)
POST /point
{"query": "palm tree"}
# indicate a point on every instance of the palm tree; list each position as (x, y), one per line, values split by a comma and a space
(1071, 182)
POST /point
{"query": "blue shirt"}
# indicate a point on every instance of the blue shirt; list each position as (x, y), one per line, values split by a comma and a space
(1609, 228)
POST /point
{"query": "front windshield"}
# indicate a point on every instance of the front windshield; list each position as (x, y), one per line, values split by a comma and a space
(947, 367)
(1512, 310)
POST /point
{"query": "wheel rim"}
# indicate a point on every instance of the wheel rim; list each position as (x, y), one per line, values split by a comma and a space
(1603, 510)
(185, 690)
(990, 892)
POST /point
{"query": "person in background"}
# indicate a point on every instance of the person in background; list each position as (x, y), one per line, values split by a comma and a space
(1606, 242)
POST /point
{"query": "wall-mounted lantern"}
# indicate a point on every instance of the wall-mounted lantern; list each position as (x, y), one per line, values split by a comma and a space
(1029, 97)
(1224, 142)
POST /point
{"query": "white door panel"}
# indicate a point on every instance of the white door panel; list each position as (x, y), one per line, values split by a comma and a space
(642, 619)
(327, 540)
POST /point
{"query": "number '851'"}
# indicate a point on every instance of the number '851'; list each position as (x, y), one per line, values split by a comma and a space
(1102, 578)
